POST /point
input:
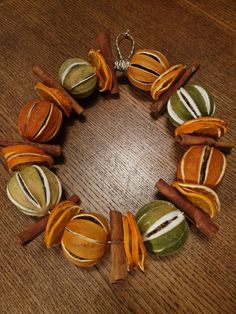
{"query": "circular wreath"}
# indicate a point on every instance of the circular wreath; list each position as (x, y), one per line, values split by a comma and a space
(159, 226)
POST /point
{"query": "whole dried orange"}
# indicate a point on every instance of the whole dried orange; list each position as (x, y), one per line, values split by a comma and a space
(145, 66)
(40, 120)
(201, 164)
(84, 239)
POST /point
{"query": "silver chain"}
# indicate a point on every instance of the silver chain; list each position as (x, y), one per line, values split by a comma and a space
(122, 64)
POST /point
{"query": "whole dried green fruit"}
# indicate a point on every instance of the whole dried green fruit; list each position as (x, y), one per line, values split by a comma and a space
(78, 77)
(190, 102)
(163, 227)
(34, 190)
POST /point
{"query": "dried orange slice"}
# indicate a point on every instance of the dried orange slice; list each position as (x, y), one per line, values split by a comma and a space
(206, 126)
(58, 219)
(19, 156)
(200, 195)
(102, 69)
(127, 237)
(54, 95)
(166, 80)
(133, 243)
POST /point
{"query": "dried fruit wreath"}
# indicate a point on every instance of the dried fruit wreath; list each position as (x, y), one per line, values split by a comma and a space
(160, 226)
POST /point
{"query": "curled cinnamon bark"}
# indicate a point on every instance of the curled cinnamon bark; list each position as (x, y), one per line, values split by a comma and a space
(32, 231)
(190, 140)
(119, 266)
(202, 221)
(159, 106)
(51, 149)
(48, 80)
(104, 43)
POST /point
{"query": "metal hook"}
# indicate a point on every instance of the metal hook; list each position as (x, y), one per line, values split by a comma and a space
(122, 64)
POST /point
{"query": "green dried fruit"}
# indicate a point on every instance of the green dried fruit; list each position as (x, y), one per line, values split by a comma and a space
(190, 102)
(34, 190)
(163, 227)
(78, 77)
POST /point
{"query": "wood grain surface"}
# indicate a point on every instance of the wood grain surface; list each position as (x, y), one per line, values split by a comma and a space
(114, 158)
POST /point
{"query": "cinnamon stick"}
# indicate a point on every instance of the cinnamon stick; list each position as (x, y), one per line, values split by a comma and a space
(189, 140)
(51, 149)
(48, 80)
(202, 221)
(104, 43)
(34, 230)
(119, 267)
(159, 105)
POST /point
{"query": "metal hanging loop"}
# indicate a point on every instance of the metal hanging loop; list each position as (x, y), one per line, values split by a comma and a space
(122, 63)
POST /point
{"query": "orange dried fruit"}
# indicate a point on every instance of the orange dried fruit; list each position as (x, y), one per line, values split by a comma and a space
(58, 219)
(84, 239)
(54, 95)
(19, 156)
(200, 195)
(166, 80)
(134, 247)
(202, 164)
(206, 126)
(127, 240)
(102, 69)
(39, 121)
(145, 66)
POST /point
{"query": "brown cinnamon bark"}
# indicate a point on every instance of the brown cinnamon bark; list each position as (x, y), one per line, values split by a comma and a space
(51, 149)
(104, 43)
(34, 230)
(119, 267)
(159, 106)
(202, 221)
(48, 80)
(189, 140)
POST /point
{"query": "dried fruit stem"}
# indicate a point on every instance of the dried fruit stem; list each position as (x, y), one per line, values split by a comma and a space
(48, 80)
(189, 140)
(104, 43)
(34, 230)
(119, 267)
(202, 221)
(159, 106)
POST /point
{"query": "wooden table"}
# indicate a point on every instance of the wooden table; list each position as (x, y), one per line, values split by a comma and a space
(114, 158)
